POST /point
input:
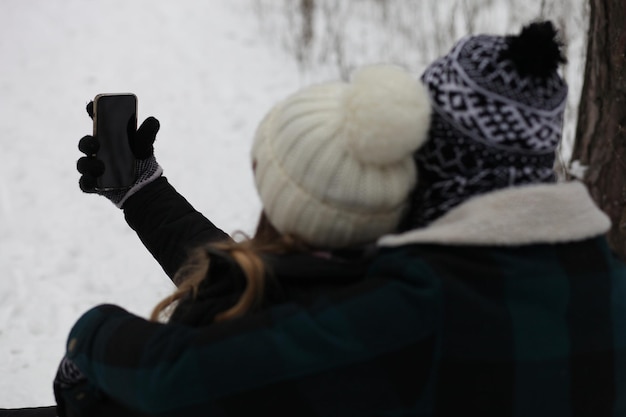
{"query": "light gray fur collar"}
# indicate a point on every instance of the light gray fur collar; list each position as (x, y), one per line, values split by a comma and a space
(546, 213)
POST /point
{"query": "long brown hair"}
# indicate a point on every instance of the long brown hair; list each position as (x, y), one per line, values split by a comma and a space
(247, 254)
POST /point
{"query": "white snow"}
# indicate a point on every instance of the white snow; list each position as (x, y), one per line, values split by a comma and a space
(207, 70)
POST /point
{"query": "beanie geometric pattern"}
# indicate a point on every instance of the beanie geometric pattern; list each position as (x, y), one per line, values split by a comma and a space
(491, 128)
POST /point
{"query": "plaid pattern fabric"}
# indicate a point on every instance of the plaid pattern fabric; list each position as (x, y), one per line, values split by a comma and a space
(529, 331)
(537, 330)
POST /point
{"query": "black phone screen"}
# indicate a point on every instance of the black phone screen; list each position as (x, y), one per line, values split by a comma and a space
(115, 122)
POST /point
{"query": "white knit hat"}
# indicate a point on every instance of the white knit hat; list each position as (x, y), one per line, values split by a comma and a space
(333, 162)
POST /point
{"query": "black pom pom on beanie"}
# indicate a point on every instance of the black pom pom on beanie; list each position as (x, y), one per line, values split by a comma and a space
(536, 51)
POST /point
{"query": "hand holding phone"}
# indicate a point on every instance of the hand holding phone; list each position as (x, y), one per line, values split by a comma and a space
(119, 158)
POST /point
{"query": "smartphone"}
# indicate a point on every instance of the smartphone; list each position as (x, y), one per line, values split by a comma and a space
(114, 125)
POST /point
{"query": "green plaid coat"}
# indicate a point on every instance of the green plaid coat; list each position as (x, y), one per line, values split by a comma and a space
(510, 306)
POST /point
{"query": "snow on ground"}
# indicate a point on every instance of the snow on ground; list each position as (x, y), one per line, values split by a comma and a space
(200, 67)
(203, 68)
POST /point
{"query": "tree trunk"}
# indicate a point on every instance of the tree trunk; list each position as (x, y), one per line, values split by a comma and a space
(601, 132)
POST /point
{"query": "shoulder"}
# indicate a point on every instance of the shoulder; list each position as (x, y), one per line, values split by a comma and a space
(534, 214)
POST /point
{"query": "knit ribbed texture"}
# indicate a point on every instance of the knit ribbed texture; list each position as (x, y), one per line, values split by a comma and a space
(334, 161)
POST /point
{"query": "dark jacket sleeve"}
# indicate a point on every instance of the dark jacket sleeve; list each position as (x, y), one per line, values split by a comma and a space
(167, 224)
(295, 353)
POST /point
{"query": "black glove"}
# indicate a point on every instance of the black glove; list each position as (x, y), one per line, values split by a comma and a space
(69, 383)
(76, 396)
(146, 167)
(68, 374)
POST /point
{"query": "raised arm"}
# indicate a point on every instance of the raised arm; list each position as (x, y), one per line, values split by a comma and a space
(163, 219)
(167, 224)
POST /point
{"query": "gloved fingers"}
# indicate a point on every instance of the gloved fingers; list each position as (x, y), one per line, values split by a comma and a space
(87, 183)
(88, 145)
(89, 109)
(142, 141)
(90, 166)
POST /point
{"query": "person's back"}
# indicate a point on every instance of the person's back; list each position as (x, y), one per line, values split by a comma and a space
(528, 300)
(536, 330)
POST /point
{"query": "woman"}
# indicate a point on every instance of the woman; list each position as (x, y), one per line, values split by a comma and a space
(333, 167)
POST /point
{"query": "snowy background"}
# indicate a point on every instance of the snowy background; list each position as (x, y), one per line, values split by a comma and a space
(208, 71)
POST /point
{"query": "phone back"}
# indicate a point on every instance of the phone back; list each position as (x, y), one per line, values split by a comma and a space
(115, 124)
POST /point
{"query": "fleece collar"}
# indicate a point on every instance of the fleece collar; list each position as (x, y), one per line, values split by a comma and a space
(534, 214)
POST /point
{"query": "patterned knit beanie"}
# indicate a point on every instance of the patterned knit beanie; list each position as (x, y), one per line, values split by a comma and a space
(333, 162)
(498, 113)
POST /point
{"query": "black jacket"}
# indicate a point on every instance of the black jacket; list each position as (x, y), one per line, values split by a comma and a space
(170, 227)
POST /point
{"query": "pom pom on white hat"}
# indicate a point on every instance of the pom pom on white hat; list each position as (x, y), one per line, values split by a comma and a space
(334, 162)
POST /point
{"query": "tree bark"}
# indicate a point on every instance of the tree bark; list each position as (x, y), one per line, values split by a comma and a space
(601, 131)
